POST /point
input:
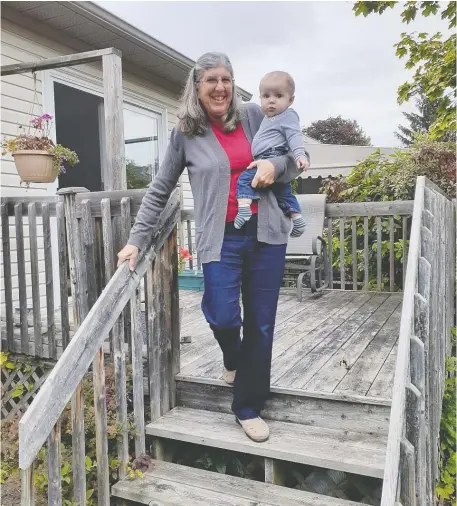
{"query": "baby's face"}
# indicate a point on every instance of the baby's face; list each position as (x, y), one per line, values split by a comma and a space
(275, 96)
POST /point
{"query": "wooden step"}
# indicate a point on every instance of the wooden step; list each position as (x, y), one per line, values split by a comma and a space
(337, 449)
(334, 411)
(174, 485)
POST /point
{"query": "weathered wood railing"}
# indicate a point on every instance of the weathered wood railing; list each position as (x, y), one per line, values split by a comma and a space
(32, 229)
(91, 219)
(365, 237)
(427, 317)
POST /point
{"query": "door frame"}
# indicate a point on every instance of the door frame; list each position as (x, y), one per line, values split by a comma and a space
(94, 85)
(83, 81)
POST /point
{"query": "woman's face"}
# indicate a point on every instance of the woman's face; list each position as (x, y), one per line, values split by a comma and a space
(215, 92)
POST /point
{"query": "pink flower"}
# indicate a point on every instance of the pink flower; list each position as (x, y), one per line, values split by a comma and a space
(47, 117)
(36, 122)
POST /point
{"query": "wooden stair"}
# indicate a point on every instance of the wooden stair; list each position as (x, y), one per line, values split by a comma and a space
(175, 485)
(339, 449)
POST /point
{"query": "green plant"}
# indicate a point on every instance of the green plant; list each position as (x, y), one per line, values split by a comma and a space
(432, 58)
(9, 434)
(446, 489)
(39, 140)
(372, 252)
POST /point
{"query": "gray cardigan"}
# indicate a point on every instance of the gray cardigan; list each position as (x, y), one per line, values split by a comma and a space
(209, 175)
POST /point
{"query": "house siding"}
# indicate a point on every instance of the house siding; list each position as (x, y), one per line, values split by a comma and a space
(17, 93)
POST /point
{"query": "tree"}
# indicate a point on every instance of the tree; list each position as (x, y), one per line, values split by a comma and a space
(338, 131)
(421, 123)
(138, 177)
(432, 58)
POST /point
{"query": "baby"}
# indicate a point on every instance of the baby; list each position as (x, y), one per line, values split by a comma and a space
(278, 134)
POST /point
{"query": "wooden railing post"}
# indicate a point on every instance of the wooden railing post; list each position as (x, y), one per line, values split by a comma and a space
(80, 309)
(175, 322)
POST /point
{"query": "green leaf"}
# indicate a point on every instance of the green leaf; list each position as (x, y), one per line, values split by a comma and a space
(19, 390)
(9, 365)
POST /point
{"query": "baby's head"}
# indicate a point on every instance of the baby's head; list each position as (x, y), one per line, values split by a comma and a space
(277, 91)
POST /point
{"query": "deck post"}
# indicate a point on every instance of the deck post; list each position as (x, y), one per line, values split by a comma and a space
(80, 310)
(114, 176)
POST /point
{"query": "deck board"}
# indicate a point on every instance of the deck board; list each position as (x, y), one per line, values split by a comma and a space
(341, 342)
(342, 450)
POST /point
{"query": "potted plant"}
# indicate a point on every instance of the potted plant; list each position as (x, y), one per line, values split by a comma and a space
(189, 279)
(37, 158)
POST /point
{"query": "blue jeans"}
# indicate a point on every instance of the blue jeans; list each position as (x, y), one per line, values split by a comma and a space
(287, 202)
(255, 270)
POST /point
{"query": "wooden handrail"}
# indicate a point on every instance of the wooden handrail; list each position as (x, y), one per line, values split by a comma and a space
(388, 208)
(38, 421)
(412, 456)
(397, 417)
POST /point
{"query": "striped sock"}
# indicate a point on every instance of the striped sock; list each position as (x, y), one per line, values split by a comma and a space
(244, 215)
(298, 227)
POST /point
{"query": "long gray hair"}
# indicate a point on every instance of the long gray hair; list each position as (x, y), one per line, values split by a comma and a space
(193, 120)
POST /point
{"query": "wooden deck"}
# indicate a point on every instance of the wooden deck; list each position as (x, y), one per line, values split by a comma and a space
(340, 342)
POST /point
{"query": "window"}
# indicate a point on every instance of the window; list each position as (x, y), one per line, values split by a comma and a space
(142, 145)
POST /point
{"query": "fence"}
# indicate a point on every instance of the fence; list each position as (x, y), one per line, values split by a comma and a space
(90, 223)
(32, 280)
(369, 245)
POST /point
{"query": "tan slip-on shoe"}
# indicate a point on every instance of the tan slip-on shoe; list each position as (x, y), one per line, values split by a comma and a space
(255, 429)
(229, 376)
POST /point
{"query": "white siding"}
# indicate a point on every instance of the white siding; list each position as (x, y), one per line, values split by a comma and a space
(17, 96)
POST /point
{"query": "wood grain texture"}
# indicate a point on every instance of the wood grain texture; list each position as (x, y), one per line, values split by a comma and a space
(53, 396)
(114, 176)
(37, 337)
(47, 244)
(152, 308)
(63, 270)
(116, 345)
(342, 273)
(399, 394)
(294, 406)
(54, 463)
(27, 487)
(21, 277)
(8, 293)
(330, 251)
(378, 253)
(175, 314)
(354, 253)
(68, 60)
(331, 449)
(175, 484)
(137, 372)
(365, 254)
(391, 254)
(98, 364)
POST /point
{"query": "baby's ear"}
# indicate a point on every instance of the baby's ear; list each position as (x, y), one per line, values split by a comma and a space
(291, 100)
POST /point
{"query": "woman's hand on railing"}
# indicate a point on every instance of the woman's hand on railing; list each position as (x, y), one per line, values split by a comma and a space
(130, 253)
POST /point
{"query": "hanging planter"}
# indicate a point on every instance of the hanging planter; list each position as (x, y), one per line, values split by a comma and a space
(37, 158)
(35, 166)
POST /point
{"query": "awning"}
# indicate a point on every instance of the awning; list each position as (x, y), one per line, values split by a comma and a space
(324, 171)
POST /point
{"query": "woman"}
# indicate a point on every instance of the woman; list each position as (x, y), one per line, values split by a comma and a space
(213, 140)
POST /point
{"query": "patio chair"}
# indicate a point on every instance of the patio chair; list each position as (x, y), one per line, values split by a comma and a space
(307, 254)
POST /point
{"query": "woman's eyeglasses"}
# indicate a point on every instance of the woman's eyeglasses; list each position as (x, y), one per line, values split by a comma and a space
(213, 81)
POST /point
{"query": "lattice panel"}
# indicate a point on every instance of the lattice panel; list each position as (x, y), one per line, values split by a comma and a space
(19, 388)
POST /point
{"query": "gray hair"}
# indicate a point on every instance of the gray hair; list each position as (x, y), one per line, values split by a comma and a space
(193, 120)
